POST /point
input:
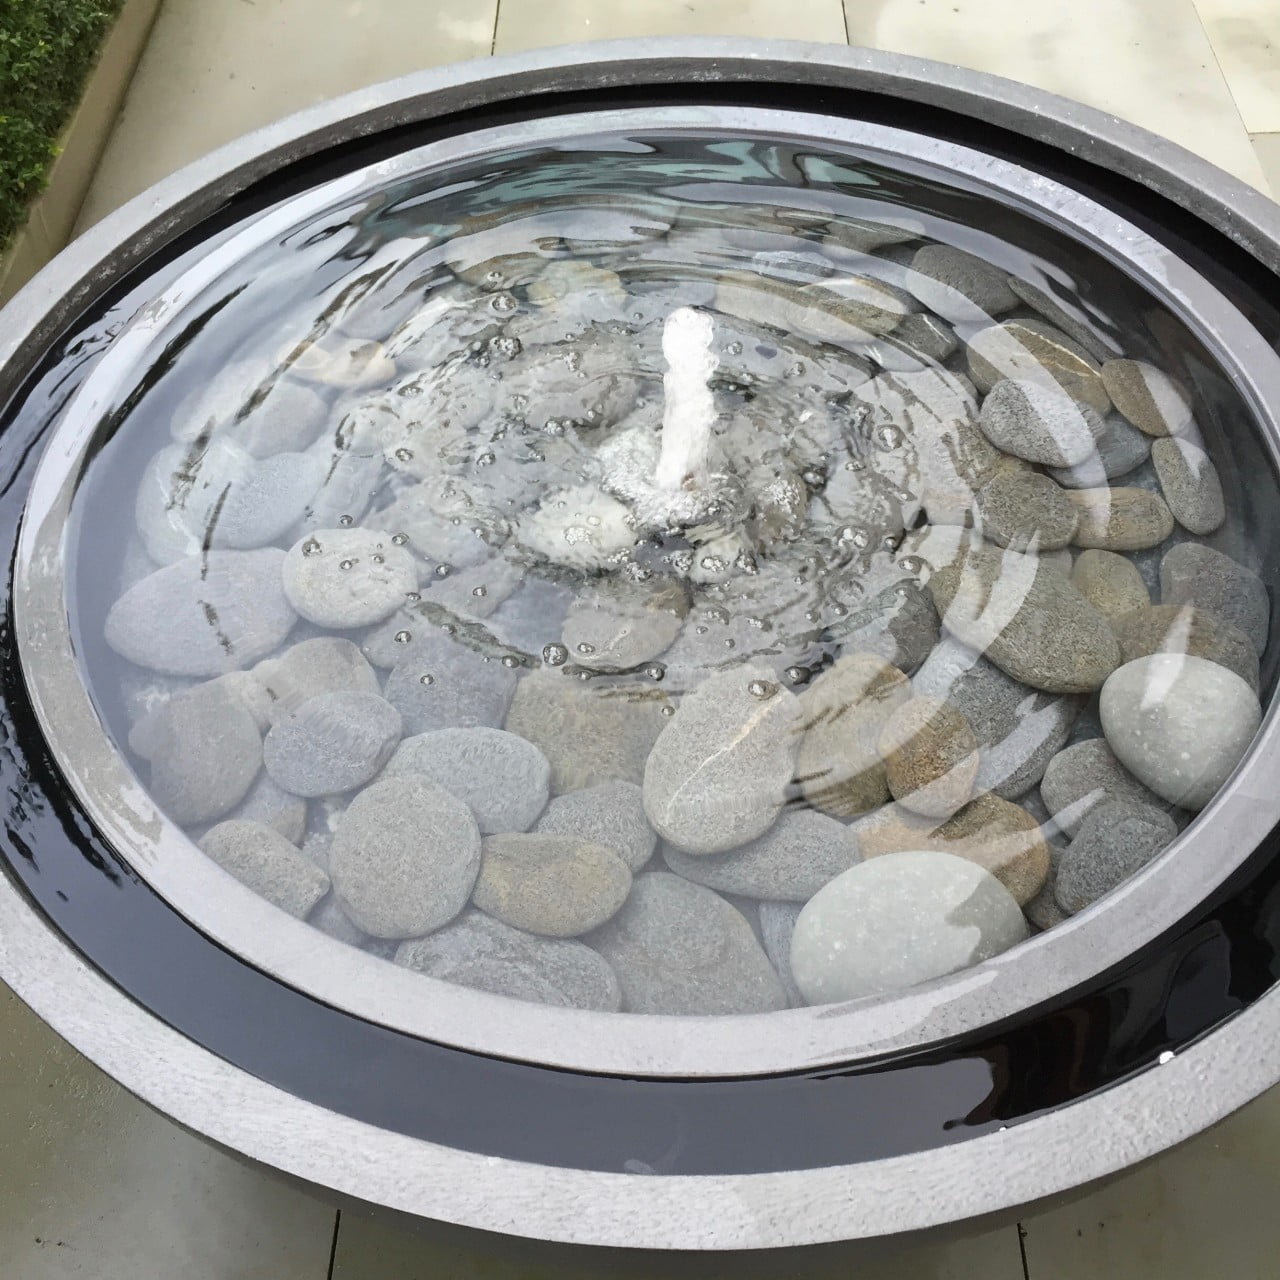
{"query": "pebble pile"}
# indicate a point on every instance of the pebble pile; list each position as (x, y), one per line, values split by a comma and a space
(941, 642)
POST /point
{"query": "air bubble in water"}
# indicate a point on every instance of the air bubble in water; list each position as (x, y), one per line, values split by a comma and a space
(734, 349)
(480, 592)
(377, 559)
(443, 570)
(555, 655)
(403, 637)
(346, 564)
(668, 710)
(426, 679)
(762, 689)
(346, 521)
(399, 539)
(311, 547)
(655, 670)
(502, 302)
(797, 675)
(585, 648)
(404, 455)
(510, 661)
(486, 459)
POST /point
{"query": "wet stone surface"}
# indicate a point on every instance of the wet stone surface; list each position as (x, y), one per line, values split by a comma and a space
(686, 605)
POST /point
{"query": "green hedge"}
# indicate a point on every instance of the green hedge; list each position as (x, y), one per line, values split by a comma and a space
(47, 48)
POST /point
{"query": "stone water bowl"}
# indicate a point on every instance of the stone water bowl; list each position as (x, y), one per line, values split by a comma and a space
(793, 526)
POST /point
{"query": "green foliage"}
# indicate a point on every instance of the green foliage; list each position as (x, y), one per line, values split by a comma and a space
(47, 48)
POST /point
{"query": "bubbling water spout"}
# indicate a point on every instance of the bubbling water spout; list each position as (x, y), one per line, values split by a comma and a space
(690, 409)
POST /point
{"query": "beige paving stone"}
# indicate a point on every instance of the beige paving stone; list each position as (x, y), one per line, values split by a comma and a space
(1202, 1211)
(95, 1186)
(1146, 61)
(529, 24)
(215, 70)
(1245, 35)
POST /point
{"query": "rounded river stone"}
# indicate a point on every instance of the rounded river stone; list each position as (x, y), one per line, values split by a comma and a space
(789, 863)
(1033, 350)
(1169, 628)
(441, 683)
(718, 773)
(1040, 423)
(502, 779)
(609, 813)
(842, 713)
(325, 664)
(1026, 511)
(1098, 345)
(333, 743)
(899, 921)
(1115, 840)
(485, 954)
(1120, 518)
(1084, 776)
(931, 757)
(1018, 729)
(1190, 484)
(1001, 837)
(1179, 724)
(1119, 449)
(205, 750)
(959, 286)
(263, 859)
(1147, 396)
(556, 886)
(1191, 573)
(1110, 582)
(204, 616)
(404, 857)
(1028, 619)
(348, 577)
(898, 624)
(679, 948)
(590, 734)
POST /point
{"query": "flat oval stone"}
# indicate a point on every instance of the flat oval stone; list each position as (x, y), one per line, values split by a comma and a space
(1018, 729)
(1169, 628)
(205, 615)
(1120, 518)
(1072, 323)
(1085, 776)
(800, 853)
(718, 773)
(842, 713)
(959, 286)
(205, 750)
(1109, 582)
(1001, 837)
(480, 952)
(608, 636)
(1192, 573)
(1027, 419)
(1190, 484)
(1119, 448)
(347, 577)
(898, 624)
(1036, 351)
(1147, 396)
(679, 948)
(324, 664)
(1179, 724)
(931, 757)
(590, 735)
(556, 886)
(441, 683)
(1028, 619)
(404, 857)
(502, 779)
(1026, 511)
(260, 857)
(332, 743)
(1115, 840)
(442, 520)
(899, 921)
(609, 813)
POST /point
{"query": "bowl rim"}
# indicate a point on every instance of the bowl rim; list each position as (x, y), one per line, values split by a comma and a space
(1088, 1139)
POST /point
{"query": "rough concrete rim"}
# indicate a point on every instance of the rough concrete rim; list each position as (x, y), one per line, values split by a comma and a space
(1038, 1158)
